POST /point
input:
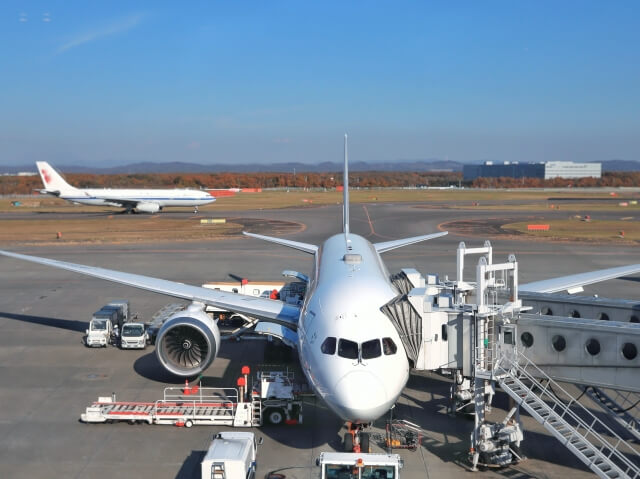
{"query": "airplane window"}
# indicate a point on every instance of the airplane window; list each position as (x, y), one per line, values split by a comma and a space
(388, 346)
(371, 349)
(348, 349)
(329, 346)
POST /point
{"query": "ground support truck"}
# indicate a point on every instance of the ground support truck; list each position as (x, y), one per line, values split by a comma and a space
(231, 455)
(194, 405)
(106, 324)
(349, 465)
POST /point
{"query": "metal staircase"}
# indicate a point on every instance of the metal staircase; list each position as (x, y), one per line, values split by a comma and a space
(619, 405)
(597, 446)
(256, 408)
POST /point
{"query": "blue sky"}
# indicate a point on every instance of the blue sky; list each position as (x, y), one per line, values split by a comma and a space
(275, 81)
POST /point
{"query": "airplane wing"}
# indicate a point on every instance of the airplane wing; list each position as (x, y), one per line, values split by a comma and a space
(389, 245)
(575, 280)
(261, 308)
(124, 202)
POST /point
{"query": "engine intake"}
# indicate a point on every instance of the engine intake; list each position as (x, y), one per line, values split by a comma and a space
(188, 342)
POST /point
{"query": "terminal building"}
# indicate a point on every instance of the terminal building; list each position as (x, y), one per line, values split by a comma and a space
(545, 170)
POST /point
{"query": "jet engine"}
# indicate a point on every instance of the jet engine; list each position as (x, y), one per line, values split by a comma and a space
(188, 342)
(147, 208)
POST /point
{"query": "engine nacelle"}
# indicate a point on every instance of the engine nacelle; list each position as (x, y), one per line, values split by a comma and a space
(147, 207)
(188, 342)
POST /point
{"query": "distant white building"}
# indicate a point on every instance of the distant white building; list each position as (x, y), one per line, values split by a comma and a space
(569, 169)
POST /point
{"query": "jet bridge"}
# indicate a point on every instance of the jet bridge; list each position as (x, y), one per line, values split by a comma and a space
(480, 334)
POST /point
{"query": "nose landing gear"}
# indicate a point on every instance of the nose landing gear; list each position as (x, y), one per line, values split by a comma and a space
(355, 439)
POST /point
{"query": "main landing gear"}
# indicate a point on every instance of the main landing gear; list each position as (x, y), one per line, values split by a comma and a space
(355, 439)
(195, 210)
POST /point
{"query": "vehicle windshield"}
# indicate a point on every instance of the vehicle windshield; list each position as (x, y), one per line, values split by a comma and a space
(99, 324)
(335, 471)
(130, 330)
(377, 472)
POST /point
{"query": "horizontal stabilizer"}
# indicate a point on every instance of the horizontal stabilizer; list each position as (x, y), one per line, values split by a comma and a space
(389, 245)
(306, 247)
(260, 308)
(567, 282)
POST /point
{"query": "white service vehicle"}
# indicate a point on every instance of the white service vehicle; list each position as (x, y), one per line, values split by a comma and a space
(133, 336)
(343, 465)
(106, 323)
(232, 455)
(101, 328)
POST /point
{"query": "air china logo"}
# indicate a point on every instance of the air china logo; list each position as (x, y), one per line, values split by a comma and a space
(46, 176)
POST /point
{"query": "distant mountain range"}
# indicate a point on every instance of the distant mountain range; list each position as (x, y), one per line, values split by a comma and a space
(180, 167)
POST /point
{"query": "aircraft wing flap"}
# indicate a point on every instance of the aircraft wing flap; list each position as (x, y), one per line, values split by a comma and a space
(261, 308)
(563, 283)
(389, 245)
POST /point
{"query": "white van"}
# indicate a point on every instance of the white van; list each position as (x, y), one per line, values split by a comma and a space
(232, 455)
(133, 336)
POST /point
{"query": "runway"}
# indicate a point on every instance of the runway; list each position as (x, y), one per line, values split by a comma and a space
(47, 377)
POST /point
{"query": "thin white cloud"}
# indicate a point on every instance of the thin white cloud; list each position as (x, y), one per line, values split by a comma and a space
(118, 26)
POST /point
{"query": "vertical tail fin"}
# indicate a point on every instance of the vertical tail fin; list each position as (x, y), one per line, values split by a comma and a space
(52, 180)
(345, 191)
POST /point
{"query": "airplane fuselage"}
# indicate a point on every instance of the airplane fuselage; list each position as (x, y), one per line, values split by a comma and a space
(161, 197)
(362, 373)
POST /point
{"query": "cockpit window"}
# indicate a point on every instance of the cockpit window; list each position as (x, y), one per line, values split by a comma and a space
(388, 346)
(371, 349)
(329, 346)
(347, 349)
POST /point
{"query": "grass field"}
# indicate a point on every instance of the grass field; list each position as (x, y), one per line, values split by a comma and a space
(576, 230)
(111, 229)
(457, 198)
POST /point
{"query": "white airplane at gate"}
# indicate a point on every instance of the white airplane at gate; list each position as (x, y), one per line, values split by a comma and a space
(141, 200)
(349, 349)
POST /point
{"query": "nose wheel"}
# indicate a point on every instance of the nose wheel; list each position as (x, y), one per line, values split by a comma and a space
(355, 439)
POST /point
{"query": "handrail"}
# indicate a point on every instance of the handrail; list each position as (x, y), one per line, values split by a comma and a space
(567, 413)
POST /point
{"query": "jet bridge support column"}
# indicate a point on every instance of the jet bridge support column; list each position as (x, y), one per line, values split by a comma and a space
(494, 336)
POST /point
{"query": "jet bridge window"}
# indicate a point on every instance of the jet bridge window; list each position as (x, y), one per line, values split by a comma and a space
(329, 346)
(388, 346)
(371, 349)
(347, 349)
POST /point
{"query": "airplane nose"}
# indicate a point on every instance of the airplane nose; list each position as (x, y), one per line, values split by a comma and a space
(361, 396)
